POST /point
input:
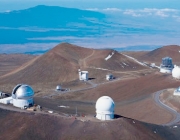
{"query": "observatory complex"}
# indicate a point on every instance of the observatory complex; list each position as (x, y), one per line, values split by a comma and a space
(176, 72)
(83, 75)
(22, 96)
(177, 92)
(105, 108)
(167, 65)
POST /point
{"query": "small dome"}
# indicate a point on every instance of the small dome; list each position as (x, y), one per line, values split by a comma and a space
(178, 89)
(105, 103)
(22, 91)
(176, 72)
(58, 87)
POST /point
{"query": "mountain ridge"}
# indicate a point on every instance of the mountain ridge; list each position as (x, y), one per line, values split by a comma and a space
(61, 64)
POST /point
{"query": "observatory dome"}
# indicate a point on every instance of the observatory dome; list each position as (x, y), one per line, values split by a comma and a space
(105, 103)
(105, 108)
(176, 72)
(22, 91)
(22, 96)
(167, 65)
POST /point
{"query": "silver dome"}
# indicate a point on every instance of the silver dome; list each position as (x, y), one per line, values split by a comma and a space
(22, 91)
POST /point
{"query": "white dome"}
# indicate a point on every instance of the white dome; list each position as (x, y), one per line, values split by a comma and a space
(58, 87)
(105, 103)
(105, 108)
(176, 72)
(22, 91)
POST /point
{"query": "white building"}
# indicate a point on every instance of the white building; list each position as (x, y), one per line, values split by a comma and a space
(83, 75)
(7, 100)
(177, 92)
(109, 77)
(105, 108)
(58, 87)
(167, 65)
(176, 72)
(22, 96)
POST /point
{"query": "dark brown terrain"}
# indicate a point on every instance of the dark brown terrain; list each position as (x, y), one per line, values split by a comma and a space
(132, 91)
(21, 126)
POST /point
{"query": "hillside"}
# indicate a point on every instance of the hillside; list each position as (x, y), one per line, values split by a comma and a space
(56, 65)
(128, 88)
(9, 62)
(133, 97)
(61, 64)
(37, 126)
(157, 54)
(117, 62)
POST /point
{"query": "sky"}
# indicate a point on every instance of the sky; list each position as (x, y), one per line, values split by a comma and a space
(130, 23)
(6, 5)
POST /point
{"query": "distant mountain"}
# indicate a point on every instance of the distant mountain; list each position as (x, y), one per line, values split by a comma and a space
(47, 16)
(18, 27)
(36, 52)
(170, 51)
(137, 48)
(108, 28)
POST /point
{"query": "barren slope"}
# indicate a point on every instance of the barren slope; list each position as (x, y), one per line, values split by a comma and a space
(10, 62)
(171, 100)
(133, 97)
(61, 64)
(157, 54)
(117, 62)
(22, 126)
(130, 88)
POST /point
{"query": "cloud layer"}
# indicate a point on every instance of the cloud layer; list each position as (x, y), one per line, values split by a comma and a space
(163, 13)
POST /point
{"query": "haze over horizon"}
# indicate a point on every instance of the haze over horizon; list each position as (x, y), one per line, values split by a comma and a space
(131, 25)
(87, 4)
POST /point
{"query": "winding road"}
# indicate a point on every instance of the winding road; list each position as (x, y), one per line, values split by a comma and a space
(63, 92)
(93, 85)
(171, 110)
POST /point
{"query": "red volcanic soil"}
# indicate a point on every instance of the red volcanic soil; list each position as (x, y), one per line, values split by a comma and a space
(9, 62)
(61, 65)
(157, 54)
(21, 126)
